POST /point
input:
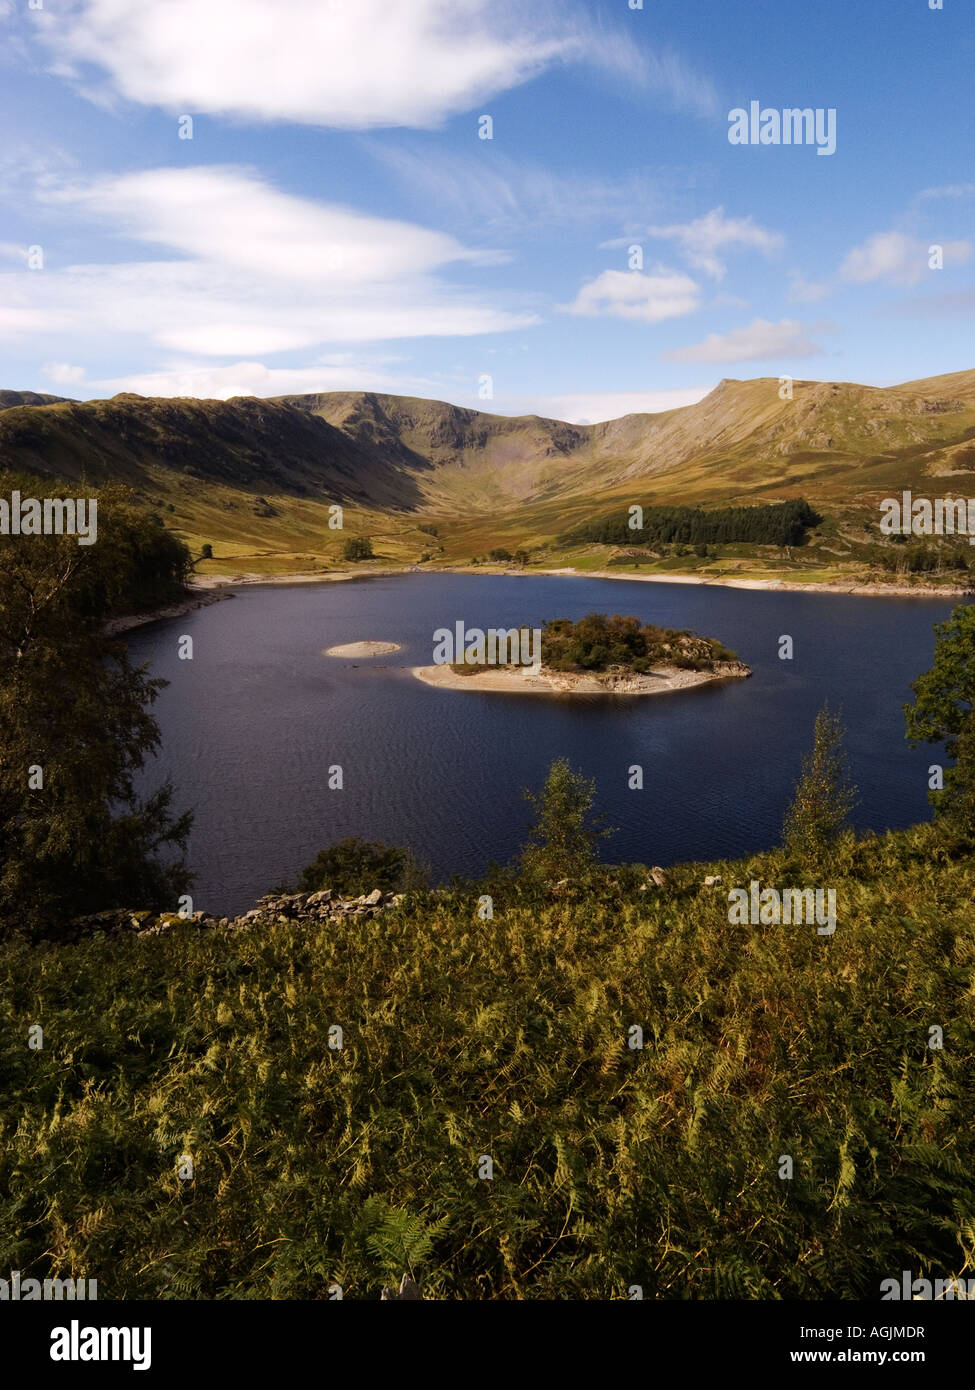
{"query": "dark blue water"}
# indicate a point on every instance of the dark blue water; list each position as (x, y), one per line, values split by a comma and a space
(251, 725)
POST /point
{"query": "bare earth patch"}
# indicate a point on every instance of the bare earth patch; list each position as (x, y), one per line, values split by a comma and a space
(362, 649)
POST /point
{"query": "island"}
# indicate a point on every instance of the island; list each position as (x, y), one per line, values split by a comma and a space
(598, 655)
(361, 649)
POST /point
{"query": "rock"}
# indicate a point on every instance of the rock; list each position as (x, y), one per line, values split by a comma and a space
(316, 899)
(407, 1290)
(373, 899)
(659, 877)
(712, 880)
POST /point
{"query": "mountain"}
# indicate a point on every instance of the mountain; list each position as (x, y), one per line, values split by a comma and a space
(8, 399)
(222, 467)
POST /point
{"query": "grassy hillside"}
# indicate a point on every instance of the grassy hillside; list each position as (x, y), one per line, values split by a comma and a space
(255, 478)
(613, 1166)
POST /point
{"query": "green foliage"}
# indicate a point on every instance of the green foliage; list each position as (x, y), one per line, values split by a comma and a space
(395, 1239)
(613, 1166)
(206, 552)
(357, 548)
(564, 840)
(823, 797)
(942, 713)
(499, 553)
(75, 725)
(783, 523)
(596, 641)
(355, 866)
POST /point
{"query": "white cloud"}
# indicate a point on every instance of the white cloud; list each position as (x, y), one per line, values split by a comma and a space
(261, 272)
(63, 373)
(590, 407)
(208, 382)
(360, 64)
(897, 259)
(701, 239)
(232, 218)
(631, 294)
(758, 341)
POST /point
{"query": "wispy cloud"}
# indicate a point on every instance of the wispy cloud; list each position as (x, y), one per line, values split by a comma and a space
(502, 196)
(701, 240)
(758, 341)
(949, 190)
(257, 271)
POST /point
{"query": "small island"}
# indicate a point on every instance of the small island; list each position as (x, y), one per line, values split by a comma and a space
(361, 649)
(599, 655)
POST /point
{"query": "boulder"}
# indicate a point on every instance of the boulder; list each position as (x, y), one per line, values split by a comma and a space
(712, 880)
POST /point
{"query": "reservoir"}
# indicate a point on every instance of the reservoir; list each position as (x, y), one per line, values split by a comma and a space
(253, 723)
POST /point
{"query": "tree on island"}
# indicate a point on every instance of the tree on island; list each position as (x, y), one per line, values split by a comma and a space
(563, 842)
(942, 713)
(357, 548)
(824, 795)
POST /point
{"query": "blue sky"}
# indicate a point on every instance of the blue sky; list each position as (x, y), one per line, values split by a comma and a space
(336, 221)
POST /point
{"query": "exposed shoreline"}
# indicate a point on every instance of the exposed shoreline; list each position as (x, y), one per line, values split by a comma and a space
(853, 587)
(525, 680)
(116, 626)
(210, 588)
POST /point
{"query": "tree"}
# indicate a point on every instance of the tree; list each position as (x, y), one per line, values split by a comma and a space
(207, 552)
(942, 713)
(357, 548)
(75, 725)
(521, 557)
(356, 866)
(499, 554)
(824, 795)
(563, 842)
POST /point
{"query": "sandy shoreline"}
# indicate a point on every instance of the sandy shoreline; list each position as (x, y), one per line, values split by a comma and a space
(524, 680)
(781, 585)
(204, 589)
(851, 587)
